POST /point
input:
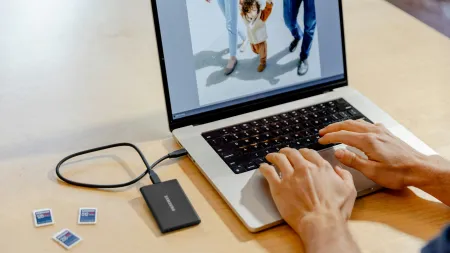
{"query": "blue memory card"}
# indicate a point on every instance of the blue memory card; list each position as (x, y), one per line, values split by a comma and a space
(66, 238)
(43, 217)
(87, 215)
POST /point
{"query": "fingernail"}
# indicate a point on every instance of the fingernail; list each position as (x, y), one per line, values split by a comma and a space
(321, 131)
(339, 154)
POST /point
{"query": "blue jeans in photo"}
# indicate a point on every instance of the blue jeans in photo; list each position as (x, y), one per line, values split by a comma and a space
(230, 11)
(290, 13)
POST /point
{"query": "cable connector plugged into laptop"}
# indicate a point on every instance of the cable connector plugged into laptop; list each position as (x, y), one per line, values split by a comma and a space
(178, 153)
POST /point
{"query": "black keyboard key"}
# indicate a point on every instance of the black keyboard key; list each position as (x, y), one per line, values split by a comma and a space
(323, 113)
(254, 131)
(226, 139)
(286, 130)
(212, 135)
(276, 141)
(294, 113)
(277, 133)
(232, 163)
(314, 116)
(265, 128)
(235, 129)
(234, 137)
(285, 123)
(297, 128)
(266, 136)
(344, 115)
(256, 139)
(307, 140)
(316, 122)
(245, 150)
(238, 169)
(228, 156)
(258, 154)
(265, 121)
(304, 118)
(325, 120)
(215, 142)
(276, 126)
(250, 166)
(265, 144)
(280, 146)
(332, 110)
(294, 121)
(274, 118)
(304, 111)
(259, 161)
(246, 142)
(286, 138)
(284, 116)
(245, 126)
(353, 112)
(331, 104)
(336, 117)
(256, 147)
(297, 144)
(244, 134)
(255, 123)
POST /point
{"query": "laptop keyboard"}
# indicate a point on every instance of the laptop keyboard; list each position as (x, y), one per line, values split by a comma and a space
(244, 146)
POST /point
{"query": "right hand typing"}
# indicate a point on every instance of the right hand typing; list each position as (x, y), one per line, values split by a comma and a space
(391, 162)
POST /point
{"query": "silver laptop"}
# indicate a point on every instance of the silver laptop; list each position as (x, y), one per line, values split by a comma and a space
(228, 123)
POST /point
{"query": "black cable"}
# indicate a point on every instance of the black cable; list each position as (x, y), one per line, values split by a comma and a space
(149, 168)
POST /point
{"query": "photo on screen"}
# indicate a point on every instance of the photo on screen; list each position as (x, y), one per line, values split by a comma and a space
(269, 28)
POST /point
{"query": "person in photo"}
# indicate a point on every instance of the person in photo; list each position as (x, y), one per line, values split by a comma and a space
(255, 14)
(229, 9)
(290, 13)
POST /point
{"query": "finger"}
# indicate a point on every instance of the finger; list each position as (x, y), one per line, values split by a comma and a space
(345, 175)
(270, 174)
(352, 160)
(358, 126)
(312, 156)
(349, 138)
(295, 158)
(282, 163)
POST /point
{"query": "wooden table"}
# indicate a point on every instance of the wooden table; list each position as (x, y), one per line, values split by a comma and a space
(84, 73)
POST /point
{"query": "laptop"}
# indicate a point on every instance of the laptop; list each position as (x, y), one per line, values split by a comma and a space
(228, 123)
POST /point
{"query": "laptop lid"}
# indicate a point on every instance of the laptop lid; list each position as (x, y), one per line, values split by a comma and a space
(196, 38)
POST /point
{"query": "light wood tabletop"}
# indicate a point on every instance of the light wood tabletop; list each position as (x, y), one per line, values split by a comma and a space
(80, 74)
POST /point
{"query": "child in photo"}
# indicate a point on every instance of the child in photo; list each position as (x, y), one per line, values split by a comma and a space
(255, 13)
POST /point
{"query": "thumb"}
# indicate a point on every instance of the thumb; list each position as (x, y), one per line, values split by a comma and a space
(351, 159)
(270, 174)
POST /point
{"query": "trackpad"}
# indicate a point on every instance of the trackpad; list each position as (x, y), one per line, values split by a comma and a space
(361, 181)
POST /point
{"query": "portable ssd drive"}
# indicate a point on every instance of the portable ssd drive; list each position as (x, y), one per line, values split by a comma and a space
(170, 206)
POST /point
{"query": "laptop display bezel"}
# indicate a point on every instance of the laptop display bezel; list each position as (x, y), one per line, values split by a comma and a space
(248, 106)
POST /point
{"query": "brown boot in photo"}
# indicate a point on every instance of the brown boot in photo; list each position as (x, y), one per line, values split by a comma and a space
(261, 67)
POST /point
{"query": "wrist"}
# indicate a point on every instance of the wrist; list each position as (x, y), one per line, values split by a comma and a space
(427, 171)
(319, 228)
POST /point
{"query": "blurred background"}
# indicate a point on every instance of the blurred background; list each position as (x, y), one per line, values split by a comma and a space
(435, 13)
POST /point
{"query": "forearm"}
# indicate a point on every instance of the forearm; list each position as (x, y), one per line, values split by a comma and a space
(326, 232)
(432, 175)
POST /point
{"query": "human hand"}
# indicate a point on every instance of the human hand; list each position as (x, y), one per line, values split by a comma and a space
(308, 186)
(390, 160)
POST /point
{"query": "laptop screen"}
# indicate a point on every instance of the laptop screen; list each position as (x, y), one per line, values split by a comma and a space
(220, 53)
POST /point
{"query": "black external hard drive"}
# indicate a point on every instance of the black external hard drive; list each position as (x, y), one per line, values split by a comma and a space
(170, 206)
